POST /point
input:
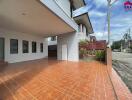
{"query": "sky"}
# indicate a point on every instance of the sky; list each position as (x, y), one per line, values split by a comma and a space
(121, 19)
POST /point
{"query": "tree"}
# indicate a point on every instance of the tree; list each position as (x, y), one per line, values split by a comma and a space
(116, 45)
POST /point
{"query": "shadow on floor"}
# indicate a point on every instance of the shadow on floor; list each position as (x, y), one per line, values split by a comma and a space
(12, 77)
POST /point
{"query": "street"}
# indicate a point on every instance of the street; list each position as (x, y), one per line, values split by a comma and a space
(122, 63)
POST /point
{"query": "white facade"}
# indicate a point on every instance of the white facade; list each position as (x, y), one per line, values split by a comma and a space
(57, 14)
(52, 42)
(12, 58)
(71, 40)
(82, 34)
(65, 5)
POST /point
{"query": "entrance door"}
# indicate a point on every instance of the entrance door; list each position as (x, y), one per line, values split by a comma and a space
(1, 48)
(64, 52)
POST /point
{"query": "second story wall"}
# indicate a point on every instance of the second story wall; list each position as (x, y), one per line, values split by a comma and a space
(82, 29)
(65, 5)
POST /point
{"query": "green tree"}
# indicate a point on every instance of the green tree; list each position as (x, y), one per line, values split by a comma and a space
(116, 45)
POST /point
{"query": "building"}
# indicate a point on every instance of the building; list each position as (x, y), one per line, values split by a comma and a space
(93, 39)
(126, 46)
(84, 26)
(26, 25)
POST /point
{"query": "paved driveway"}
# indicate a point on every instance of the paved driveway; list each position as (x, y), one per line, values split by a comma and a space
(124, 57)
(58, 80)
(123, 65)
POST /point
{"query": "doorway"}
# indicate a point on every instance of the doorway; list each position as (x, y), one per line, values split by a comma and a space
(52, 51)
(2, 45)
(64, 52)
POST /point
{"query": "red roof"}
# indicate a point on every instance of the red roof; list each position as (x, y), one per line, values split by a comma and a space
(98, 45)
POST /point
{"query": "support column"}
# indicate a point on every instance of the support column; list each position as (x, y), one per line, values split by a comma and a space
(68, 41)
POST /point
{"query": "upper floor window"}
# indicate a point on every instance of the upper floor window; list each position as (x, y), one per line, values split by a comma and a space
(25, 46)
(53, 38)
(13, 46)
(34, 47)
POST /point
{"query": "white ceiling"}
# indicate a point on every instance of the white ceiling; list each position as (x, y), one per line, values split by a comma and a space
(31, 16)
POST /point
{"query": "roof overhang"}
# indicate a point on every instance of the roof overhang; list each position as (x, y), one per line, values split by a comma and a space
(33, 17)
(78, 3)
(85, 20)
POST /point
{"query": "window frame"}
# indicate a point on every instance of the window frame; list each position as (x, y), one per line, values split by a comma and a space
(34, 50)
(41, 47)
(12, 48)
(25, 44)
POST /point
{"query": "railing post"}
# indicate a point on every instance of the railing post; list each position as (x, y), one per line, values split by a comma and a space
(109, 58)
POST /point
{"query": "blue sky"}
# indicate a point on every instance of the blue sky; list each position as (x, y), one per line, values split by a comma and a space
(121, 20)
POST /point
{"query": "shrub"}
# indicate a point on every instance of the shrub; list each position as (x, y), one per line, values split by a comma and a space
(100, 55)
(131, 47)
(82, 52)
(83, 42)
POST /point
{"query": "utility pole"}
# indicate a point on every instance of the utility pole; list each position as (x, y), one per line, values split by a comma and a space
(110, 3)
(108, 18)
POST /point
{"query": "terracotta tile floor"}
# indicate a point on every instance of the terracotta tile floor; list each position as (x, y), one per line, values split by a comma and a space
(57, 80)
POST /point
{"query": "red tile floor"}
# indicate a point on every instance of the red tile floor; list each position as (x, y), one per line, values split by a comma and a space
(60, 80)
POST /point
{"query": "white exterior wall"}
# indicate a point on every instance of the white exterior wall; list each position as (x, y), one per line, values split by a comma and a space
(80, 28)
(71, 40)
(82, 34)
(12, 58)
(88, 37)
(84, 30)
(65, 5)
(52, 42)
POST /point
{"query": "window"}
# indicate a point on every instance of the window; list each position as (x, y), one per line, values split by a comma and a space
(13, 46)
(25, 46)
(34, 47)
(53, 38)
(41, 47)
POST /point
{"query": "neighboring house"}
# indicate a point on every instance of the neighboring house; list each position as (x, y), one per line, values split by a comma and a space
(98, 45)
(26, 24)
(93, 39)
(126, 42)
(126, 46)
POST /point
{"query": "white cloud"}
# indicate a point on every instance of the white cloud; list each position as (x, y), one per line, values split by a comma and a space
(104, 3)
(96, 13)
(122, 21)
(101, 35)
(100, 3)
(117, 25)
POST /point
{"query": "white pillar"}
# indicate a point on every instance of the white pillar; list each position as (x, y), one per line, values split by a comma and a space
(81, 28)
(69, 41)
